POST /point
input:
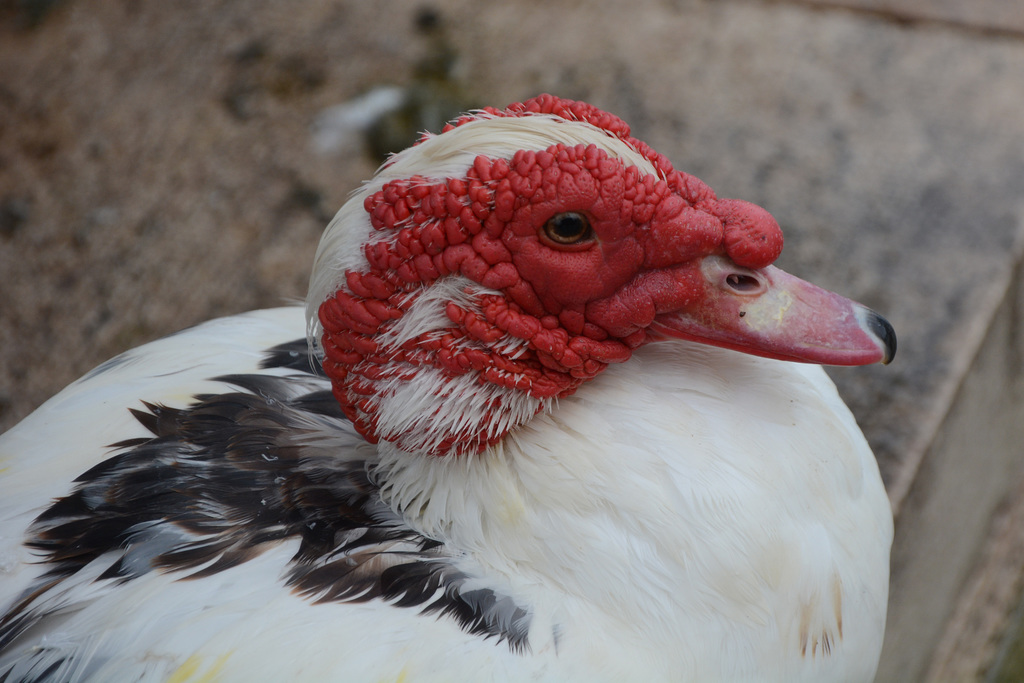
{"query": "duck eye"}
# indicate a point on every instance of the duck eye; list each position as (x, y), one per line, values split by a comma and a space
(568, 228)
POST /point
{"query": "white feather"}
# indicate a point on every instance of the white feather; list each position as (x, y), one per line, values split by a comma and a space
(649, 519)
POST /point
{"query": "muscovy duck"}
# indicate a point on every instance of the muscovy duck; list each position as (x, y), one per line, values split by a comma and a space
(537, 421)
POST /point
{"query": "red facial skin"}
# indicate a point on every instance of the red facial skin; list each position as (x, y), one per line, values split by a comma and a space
(638, 274)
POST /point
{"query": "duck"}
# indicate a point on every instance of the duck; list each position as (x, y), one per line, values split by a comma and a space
(548, 413)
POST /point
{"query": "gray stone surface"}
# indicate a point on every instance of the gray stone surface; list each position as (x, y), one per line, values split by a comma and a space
(972, 466)
(996, 16)
(156, 169)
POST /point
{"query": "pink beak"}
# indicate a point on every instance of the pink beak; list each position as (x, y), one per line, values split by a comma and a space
(768, 312)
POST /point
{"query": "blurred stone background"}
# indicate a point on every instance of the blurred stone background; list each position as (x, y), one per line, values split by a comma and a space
(162, 163)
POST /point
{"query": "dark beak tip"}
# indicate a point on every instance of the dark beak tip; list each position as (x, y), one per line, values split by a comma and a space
(885, 333)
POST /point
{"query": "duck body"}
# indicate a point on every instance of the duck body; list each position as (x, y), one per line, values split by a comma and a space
(214, 506)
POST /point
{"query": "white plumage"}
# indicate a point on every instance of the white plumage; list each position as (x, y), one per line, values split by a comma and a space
(691, 514)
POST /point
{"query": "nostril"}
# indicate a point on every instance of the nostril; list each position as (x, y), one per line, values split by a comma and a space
(742, 283)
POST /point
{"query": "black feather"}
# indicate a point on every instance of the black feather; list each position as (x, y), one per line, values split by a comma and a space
(235, 473)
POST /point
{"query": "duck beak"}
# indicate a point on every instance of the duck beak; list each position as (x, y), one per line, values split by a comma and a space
(768, 312)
